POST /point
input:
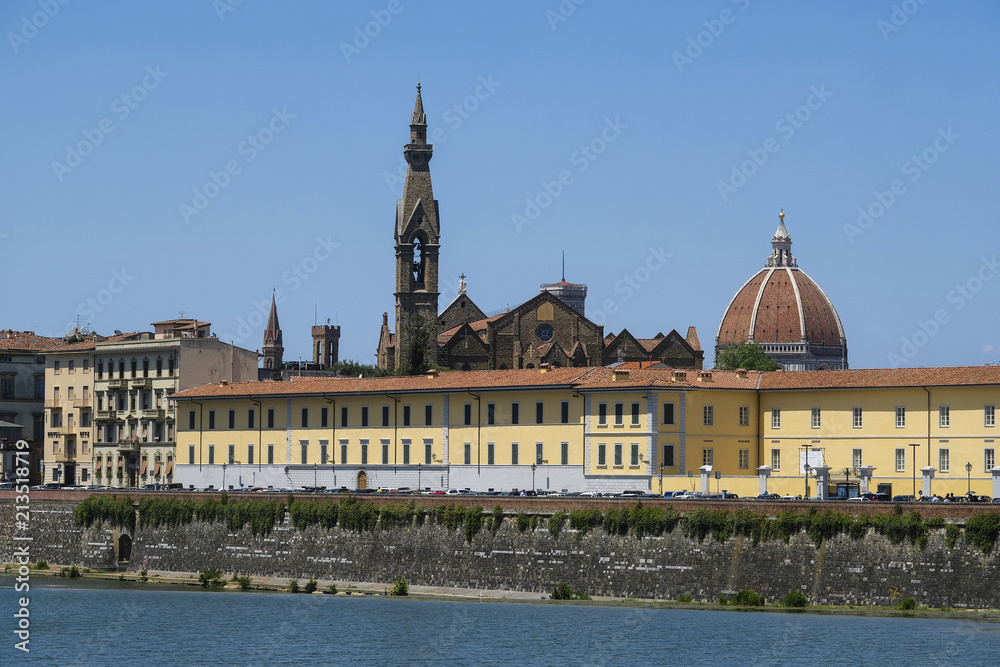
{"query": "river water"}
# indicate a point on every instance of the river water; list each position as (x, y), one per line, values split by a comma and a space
(75, 622)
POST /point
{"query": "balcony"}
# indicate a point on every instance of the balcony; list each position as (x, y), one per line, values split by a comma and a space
(117, 384)
(53, 403)
(81, 402)
(142, 383)
(104, 414)
(151, 413)
(128, 446)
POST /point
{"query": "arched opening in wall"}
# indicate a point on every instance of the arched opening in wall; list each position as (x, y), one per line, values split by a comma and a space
(124, 548)
(823, 367)
(530, 366)
(362, 480)
(503, 367)
(419, 261)
(466, 367)
(268, 363)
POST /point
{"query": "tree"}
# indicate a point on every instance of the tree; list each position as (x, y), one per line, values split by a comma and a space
(354, 369)
(415, 358)
(744, 355)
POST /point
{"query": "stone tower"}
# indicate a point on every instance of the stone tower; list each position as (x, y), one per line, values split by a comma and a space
(417, 234)
(273, 349)
(326, 341)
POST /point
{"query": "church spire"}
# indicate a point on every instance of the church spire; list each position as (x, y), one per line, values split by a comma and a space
(781, 246)
(273, 350)
(419, 117)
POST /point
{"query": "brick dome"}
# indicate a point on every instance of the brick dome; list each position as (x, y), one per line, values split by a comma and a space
(785, 311)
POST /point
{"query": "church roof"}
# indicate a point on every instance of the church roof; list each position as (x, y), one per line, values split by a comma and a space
(781, 304)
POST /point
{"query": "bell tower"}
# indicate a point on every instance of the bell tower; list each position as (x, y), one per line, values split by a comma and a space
(417, 235)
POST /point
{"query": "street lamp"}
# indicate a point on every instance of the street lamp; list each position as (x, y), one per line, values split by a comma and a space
(807, 468)
(533, 466)
(968, 471)
(315, 470)
(915, 445)
(223, 476)
(420, 467)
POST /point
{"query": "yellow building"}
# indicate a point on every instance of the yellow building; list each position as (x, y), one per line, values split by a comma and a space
(69, 402)
(601, 430)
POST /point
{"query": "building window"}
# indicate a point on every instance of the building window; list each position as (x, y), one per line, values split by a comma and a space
(190, 454)
(250, 454)
(132, 367)
(817, 418)
(707, 415)
(491, 413)
(159, 368)
(406, 452)
(668, 413)
(619, 414)
(775, 459)
(232, 454)
(602, 414)
(406, 415)
(364, 452)
(428, 415)
(211, 419)
(270, 417)
(564, 453)
(232, 419)
(856, 461)
(618, 455)
(515, 417)
(707, 456)
(145, 368)
(385, 452)
(190, 420)
(602, 455)
(211, 454)
(428, 451)
(323, 453)
(944, 416)
(468, 414)
(71, 365)
(343, 452)
(989, 459)
(468, 454)
(490, 453)
(944, 460)
(250, 418)
(364, 416)
(744, 415)
(634, 455)
(564, 412)
(744, 458)
(668, 456)
(343, 416)
(304, 446)
(100, 370)
(776, 418)
(305, 417)
(270, 454)
(635, 414)
(539, 412)
(513, 453)
(385, 415)
(55, 365)
(858, 418)
(901, 459)
(170, 367)
(324, 417)
(539, 453)
(989, 416)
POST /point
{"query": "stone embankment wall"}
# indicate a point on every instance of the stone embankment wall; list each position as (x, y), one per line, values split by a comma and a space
(842, 571)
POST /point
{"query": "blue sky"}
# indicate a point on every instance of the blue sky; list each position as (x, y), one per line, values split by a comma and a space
(194, 155)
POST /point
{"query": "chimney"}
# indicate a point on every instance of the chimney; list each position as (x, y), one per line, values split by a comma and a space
(544, 367)
(620, 375)
(432, 373)
(704, 376)
(741, 372)
(678, 376)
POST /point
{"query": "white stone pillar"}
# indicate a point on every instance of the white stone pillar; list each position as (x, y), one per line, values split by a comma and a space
(866, 479)
(822, 481)
(996, 481)
(706, 470)
(928, 475)
(764, 472)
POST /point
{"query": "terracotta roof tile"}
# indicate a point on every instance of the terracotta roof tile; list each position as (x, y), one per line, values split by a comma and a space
(883, 377)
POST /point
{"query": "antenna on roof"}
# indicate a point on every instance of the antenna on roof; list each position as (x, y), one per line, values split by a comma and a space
(564, 265)
(315, 314)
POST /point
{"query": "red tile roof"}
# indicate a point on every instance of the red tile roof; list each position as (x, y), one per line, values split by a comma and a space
(883, 377)
(27, 341)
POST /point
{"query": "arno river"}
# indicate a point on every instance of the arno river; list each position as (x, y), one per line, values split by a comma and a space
(98, 623)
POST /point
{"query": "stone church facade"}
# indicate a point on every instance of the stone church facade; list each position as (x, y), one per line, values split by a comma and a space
(550, 328)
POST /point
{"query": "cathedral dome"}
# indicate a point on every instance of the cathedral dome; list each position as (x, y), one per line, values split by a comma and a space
(784, 311)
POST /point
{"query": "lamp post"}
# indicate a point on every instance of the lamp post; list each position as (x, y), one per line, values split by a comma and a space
(315, 471)
(914, 445)
(807, 468)
(968, 472)
(333, 470)
(223, 476)
(420, 467)
(661, 479)
(533, 466)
